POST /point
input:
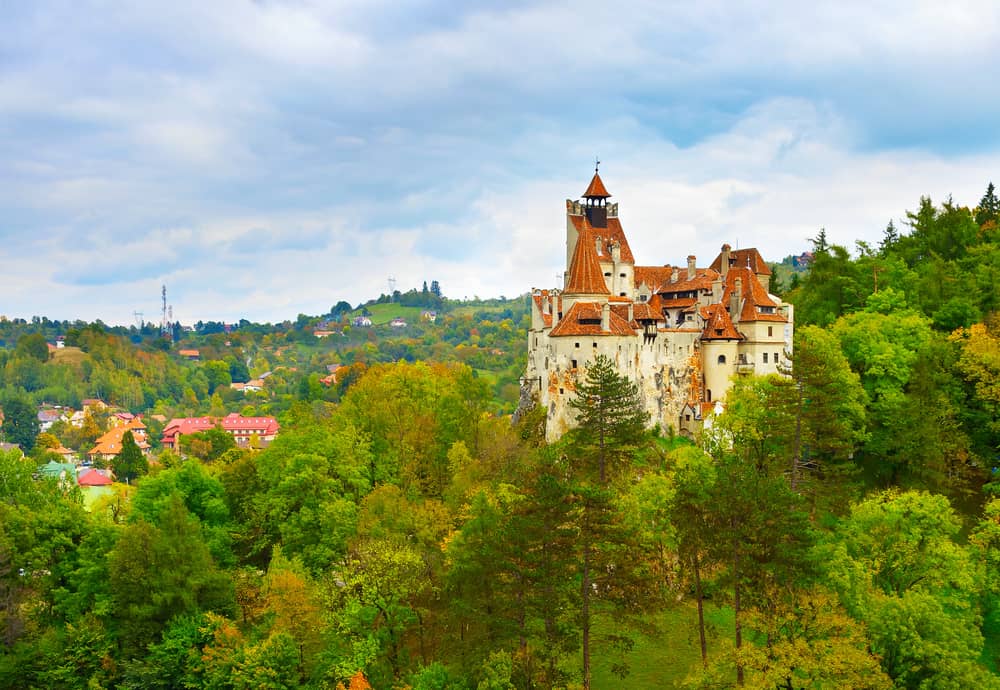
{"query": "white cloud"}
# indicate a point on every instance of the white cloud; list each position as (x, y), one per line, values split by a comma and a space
(344, 142)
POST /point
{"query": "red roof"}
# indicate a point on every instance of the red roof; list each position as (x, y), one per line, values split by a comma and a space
(653, 276)
(261, 425)
(743, 258)
(585, 274)
(596, 189)
(703, 279)
(92, 477)
(541, 300)
(265, 426)
(682, 302)
(584, 318)
(613, 234)
(718, 325)
(754, 296)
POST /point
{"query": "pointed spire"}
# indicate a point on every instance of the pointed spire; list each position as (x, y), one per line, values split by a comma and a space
(585, 274)
(596, 189)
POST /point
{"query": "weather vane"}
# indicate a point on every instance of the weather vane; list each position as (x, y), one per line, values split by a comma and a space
(597, 163)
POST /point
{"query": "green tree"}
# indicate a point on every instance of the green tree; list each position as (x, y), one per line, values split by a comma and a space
(989, 207)
(610, 420)
(130, 463)
(20, 422)
(896, 567)
(157, 573)
(611, 427)
(34, 346)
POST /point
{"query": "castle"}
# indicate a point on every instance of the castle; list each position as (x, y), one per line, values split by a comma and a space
(680, 333)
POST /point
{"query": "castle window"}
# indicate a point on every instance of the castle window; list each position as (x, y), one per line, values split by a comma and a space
(708, 394)
(595, 343)
(775, 357)
(722, 359)
(770, 331)
(577, 345)
(573, 363)
(608, 274)
(621, 275)
(642, 298)
(765, 358)
(621, 294)
(536, 341)
(718, 331)
(560, 391)
(687, 418)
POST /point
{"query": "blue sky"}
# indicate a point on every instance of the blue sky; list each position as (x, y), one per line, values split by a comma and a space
(270, 158)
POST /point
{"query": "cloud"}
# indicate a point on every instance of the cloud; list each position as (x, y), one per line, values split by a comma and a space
(266, 158)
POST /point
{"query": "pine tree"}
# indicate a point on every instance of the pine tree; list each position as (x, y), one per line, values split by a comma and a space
(610, 418)
(611, 425)
(130, 462)
(889, 239)
(989, 207)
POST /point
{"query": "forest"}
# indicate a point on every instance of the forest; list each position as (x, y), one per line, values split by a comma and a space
(837, 526)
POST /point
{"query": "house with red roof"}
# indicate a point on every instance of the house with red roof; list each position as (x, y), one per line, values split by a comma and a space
(681, 333)
(243, 429)
(109, 444)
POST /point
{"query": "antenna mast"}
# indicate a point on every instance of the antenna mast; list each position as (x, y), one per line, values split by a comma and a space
(165, 329)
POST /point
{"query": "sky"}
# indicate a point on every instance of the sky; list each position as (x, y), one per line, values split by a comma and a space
(268, 158)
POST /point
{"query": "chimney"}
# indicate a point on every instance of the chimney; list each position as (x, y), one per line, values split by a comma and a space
(725, 260)
(675, 275)
(631, 312)
(735, 299)
(616, 252)
(554, 309)
(691, 269)
(606, 317)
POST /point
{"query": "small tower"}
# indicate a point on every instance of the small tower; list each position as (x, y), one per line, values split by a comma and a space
(597, 198)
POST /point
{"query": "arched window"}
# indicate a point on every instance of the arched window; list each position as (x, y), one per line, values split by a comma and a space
(722, 359)
(708, 394)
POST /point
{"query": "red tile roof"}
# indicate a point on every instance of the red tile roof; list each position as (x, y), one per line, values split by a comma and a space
(754, 296)
(541, 299)
(703, 279)
(584, 318)
(585, 274)
(675, 303)
(643, 311)
(742, 258)
(653, 276)
(611, 234)
(260, 425)
(718, 325)
(596, 189)
(92, 477)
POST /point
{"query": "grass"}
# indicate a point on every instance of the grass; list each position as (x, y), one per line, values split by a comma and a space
(384, 313)
(73, 356)
(490, 377)
(661, 658)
